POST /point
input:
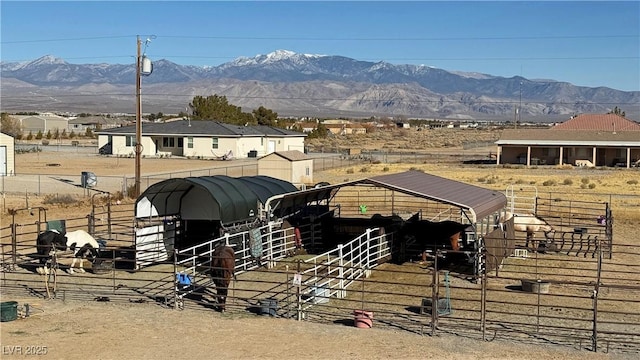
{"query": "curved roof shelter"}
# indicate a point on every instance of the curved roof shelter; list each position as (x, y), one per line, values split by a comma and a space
(219, 197)
(477, 201)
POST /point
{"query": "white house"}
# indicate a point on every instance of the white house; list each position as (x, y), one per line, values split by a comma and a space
(7, 155)
(199, 139)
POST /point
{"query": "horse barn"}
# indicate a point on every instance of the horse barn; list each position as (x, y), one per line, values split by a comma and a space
(408, 251)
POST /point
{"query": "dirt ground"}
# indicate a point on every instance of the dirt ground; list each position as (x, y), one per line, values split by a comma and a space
(77, 330)
(74, 330)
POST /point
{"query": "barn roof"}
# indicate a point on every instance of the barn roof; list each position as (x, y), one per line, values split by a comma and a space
(219, 197)
(480, 202)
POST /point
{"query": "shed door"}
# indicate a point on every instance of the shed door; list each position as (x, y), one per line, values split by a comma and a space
(3, 161)
(271, 147)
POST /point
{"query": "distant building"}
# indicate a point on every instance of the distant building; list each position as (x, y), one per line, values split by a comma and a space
(200, 139)
(95, 123)
(43, 123)
(593, 139)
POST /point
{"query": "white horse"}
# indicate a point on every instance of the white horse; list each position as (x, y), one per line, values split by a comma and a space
(84, 246)
(530, 224)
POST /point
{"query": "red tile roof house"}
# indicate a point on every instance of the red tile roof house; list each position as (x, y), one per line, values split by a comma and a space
(583, 140)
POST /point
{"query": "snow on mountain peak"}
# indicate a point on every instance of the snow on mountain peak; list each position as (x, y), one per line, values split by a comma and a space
(48, 60)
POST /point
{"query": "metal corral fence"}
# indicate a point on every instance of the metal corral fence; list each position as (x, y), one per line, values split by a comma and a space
(70, 184)
(544, 296)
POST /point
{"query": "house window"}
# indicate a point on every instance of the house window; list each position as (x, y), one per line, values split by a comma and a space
(214, 143)
(190, 142)
(261, 141)
(130, 140)
(180, 142)
(168, 142)
(307, 171)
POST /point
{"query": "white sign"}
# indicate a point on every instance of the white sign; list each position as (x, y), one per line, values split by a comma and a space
(297, 279)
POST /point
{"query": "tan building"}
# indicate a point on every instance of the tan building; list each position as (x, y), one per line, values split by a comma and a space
(7, 155)
(292, 166)
(203, 139)
(584, 140)
(43, 122)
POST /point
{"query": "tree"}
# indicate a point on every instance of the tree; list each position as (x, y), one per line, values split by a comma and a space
(617, 111)
(320, 132)
(217, 108)
(89, 133)
(9, 125)
(64, 134)
(39, 135)
(265, 116)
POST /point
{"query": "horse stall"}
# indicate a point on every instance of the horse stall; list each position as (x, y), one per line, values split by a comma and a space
(176, 214)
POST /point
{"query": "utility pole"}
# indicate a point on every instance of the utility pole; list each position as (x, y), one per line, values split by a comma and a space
(138, 145)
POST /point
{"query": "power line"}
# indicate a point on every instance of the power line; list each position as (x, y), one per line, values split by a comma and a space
(461, 38)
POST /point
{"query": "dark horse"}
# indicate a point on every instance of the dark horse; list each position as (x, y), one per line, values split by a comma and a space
(222, 270)
(443, 235)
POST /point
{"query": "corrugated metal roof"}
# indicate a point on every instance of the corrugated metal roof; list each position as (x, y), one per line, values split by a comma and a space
(480, 201)
(600, 122)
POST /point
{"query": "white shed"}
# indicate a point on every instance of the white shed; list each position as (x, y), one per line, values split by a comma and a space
(293, 166)
(7, 155)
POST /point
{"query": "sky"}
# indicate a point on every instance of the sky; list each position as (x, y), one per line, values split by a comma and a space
(586, 43)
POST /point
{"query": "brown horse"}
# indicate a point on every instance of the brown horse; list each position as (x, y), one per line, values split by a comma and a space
(435, 235)
(222, 270)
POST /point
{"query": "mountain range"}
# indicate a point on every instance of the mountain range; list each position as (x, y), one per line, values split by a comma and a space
(295, 84)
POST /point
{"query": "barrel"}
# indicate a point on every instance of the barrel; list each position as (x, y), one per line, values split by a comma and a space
(8, 311)
(363, 319)
(268, 306)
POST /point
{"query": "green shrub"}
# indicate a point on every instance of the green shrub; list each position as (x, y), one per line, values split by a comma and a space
(632, 182)
(567, 182)
(592, 186)
(584, 180)
(364, 169)
(549, 183)
(349, 171)
(385, 169)
(520, 181)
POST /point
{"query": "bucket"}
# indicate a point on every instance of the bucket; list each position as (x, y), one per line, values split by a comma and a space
(320, 295)
(268, 307)
(363, 319)
(8, 311)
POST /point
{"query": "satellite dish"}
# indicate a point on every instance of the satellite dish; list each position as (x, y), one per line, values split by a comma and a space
(147, 66)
